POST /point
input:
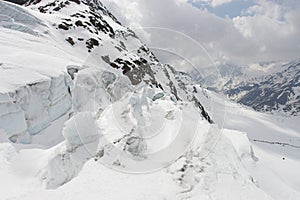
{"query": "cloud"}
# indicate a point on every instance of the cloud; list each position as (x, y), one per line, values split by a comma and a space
(213, 3)
(266, 31)
(273, 27)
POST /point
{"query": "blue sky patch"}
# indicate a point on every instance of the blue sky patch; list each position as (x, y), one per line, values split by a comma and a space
(231, 9)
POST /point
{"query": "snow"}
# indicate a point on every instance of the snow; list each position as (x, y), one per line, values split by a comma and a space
(214, 175)
(99, 136)
(276, 171)
(160, 131)
(52, 135)
(96, 180)
(80, 129)
(15, 18)
(33, 101)
(34, 86)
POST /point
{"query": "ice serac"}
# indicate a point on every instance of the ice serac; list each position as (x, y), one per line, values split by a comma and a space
(30, 108)
(81, 139)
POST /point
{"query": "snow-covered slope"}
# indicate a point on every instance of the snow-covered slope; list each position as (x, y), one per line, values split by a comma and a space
(53, 41)
(135, 129)
(124, 166)
(275, 142)
(232, 167)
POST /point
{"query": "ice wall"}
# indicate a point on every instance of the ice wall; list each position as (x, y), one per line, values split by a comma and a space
(32, 107)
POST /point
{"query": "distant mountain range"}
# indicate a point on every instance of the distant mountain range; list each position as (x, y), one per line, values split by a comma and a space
(266, 87)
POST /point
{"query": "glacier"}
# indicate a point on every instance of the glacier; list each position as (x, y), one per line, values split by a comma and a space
(34, 106)
(88, 111)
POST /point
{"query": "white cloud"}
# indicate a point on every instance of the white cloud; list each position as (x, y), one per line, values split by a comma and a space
(216, 3)
(265, 31)
(213, 3)
(273, 27)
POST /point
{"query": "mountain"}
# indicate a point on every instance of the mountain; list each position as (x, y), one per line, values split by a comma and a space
(85, 30)
(278, 91)
(88, 111)
(266, 87)
(75, 59)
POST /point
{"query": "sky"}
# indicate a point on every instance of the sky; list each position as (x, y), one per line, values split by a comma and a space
(225, 8)
(214, 32)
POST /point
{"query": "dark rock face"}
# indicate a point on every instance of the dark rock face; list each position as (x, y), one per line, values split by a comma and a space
(90, 43)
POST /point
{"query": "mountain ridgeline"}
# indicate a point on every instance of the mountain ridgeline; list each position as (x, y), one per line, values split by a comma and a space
(278, 91)
(88, 29)
(266, 87)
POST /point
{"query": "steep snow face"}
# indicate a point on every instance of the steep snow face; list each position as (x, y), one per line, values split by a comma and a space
(15, 18)
(120, 71)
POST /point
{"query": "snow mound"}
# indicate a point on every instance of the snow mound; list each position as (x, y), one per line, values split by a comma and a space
(194, 175)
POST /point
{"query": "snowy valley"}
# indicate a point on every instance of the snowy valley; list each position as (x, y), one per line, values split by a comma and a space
(88, 111)
(271, 87)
